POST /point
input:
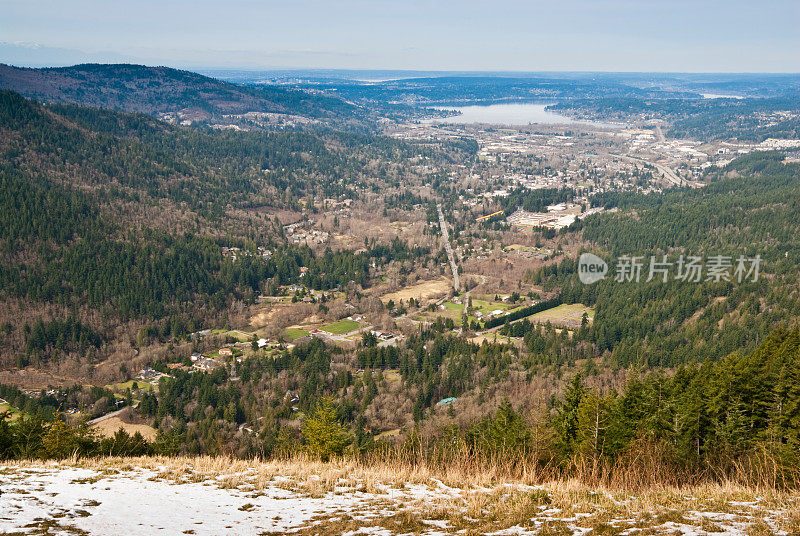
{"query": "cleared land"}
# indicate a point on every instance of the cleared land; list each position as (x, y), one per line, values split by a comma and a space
(108, 427)
(132, 385)
(567, 315)
(212, 496)
(341, 327)
(295, 333)
(423, 291)
(455, 310)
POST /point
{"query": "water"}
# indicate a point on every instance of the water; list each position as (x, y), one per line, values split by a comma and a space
(510, 114)
(720, 96)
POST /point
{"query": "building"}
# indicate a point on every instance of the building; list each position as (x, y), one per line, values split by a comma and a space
(206, 364)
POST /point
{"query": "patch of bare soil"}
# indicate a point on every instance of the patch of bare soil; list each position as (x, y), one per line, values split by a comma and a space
(109, 427)
(422, 290)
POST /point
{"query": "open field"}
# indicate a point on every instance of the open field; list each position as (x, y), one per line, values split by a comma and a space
(568, 315)
(13, 413)
(423, 291)
(240, 336)
(487, 305)
(455, 310)
(123, 386)
(294, 333)
(143, 496)
(108, 427)
(446, 310)
(341, 327)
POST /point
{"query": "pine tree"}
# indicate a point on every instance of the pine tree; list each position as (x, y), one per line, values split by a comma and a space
(324, 436)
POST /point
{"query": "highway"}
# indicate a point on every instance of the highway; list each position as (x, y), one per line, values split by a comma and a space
(449, 249)
(665, 171)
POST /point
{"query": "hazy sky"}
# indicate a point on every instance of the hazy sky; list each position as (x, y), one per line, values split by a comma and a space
(595, 35)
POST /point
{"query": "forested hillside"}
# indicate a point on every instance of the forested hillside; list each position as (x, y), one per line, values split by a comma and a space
(115, 217)
(199, 262)
(749, 119)
(738, 418)
(135, 159)
(150, 90)
(749, 209)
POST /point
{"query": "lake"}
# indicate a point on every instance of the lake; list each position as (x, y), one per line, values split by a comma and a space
(510, 114)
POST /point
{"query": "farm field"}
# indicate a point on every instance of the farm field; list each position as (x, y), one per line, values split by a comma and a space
(123, 386)
(421, 291)
(295, 333)
(341, 327)
(453, 310)
(568, 315)
(487, 305)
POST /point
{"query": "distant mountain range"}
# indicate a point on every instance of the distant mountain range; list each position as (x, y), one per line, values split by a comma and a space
(153, 90)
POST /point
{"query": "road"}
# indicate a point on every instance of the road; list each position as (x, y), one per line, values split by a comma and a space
(449, 249)
(466, 296)
(660, 134)
(109, 415)
(665, 171)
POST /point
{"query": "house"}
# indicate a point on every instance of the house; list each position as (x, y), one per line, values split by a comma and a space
(206, 364)
(198, 334)
(225, 352)
(382, 335)
(148, 374)
(195, 357)
(262, 343)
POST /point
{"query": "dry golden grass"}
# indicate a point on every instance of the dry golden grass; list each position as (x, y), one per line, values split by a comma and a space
(108, 427)
(421, 291)
(478, 498)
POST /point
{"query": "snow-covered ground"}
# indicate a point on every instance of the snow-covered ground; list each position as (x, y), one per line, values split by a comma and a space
(136, 500)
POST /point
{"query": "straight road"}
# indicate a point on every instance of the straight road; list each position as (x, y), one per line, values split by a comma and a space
(449, 249)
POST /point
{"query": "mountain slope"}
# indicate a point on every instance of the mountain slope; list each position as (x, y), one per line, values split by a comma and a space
(152, 90)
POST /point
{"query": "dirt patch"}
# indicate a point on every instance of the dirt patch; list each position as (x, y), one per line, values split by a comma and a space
(32, 379)
(273, 318)
(109, 427)
(423, 290)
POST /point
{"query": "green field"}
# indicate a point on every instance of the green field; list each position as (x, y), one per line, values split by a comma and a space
(121, 387)
(455, 310)
(341, 327)
(486, 307)
(294, 333)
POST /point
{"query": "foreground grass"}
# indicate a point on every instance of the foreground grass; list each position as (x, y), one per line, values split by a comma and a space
(406, 498)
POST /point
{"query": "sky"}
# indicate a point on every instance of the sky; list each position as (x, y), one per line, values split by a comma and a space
(498, 35)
